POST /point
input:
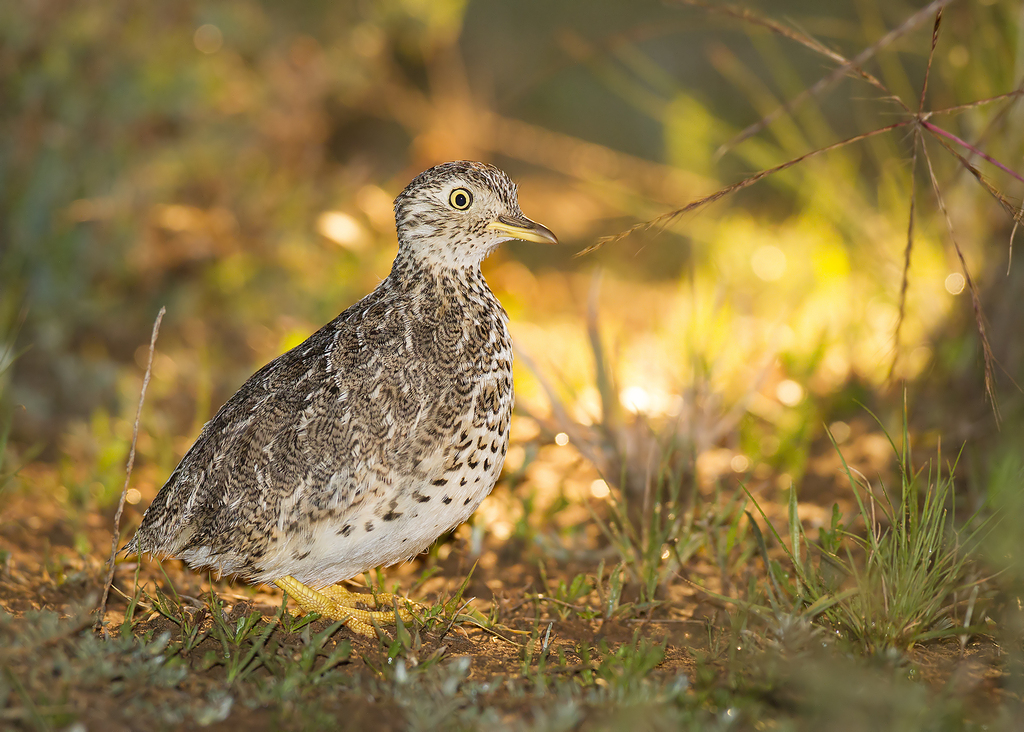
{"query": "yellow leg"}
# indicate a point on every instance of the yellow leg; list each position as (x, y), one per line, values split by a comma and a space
(380, 599)
(337, 603)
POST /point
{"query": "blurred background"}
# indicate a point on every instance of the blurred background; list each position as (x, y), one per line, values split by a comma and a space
(236, 162)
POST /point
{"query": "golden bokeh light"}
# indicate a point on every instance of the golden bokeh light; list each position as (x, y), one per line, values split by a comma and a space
(208, 39)
(740, 463)
(635, 399)
(789, 392)
(768, 263)
(343, 229)
(840, 431)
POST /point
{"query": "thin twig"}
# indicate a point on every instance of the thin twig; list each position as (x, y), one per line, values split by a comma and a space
(957, 108)
(666, 218)
(931, 57)
(905, 284)
(1009, 256)
(998, 118)
(939, 131)
(979, 315)
(748, 16)
(816, 88)
(1014, 212)
(128, 472)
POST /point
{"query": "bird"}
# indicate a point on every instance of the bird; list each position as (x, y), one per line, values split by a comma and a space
(383, 430)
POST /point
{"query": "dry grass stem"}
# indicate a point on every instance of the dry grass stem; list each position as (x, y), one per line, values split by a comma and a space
(748, 16)
(819, 86)
(966, 106)
(979, 315)
(128, 472)
(931, 58)
(666, 218)
(974, 150)
(905, 282)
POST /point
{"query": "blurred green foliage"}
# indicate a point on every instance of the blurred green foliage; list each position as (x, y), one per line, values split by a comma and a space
(181, 154)
(236, 161)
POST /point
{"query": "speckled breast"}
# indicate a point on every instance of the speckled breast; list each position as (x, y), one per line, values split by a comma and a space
(426, 468)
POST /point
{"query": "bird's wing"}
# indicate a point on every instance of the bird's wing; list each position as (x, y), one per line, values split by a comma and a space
(345, 408)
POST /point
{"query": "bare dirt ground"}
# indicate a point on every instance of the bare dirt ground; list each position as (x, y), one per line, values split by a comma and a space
(530, 637)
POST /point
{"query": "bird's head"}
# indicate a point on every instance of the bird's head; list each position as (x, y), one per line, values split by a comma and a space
(455, 214)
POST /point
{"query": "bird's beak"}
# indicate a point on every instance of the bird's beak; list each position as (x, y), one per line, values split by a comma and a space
(520, 227)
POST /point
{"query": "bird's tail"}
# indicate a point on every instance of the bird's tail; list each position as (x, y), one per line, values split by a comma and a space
(132, 547)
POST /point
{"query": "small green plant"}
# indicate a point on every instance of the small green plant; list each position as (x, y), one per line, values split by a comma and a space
(720, 522)
(564, 597)
(535, 656)
(448, 612)
(657, 538)
(293, 624)
(610, 594)
(303, 668)
(624, 671)
(240, 643)
(190, 621)
(914, 559)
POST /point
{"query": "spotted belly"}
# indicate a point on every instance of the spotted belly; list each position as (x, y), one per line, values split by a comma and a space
(396, 521)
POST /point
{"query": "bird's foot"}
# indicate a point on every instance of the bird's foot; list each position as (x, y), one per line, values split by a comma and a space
(337, 603)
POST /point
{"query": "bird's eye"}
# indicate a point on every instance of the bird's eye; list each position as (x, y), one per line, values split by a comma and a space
(461, 199)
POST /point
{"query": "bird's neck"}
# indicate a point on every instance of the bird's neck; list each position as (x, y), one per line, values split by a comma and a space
(444, 286)
(411, 267)
(435, 248)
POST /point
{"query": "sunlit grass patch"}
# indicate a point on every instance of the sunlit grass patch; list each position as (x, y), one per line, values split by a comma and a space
(892, 586)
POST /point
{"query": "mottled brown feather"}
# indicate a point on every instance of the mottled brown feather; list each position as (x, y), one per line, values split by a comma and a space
(381, 431)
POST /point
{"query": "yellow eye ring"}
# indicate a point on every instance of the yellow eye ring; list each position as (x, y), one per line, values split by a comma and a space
(460, 199)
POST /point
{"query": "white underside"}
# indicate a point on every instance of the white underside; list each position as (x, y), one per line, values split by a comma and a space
(328, 557)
